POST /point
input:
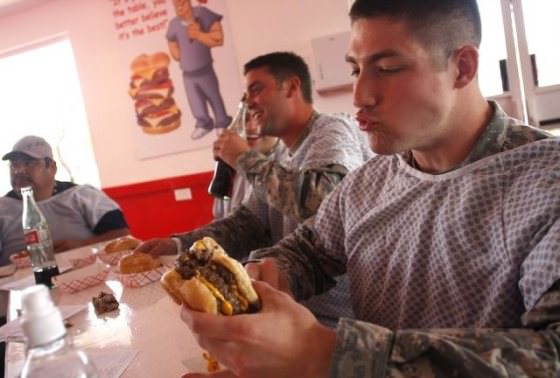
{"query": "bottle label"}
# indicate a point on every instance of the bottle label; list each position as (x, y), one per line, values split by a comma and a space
(31, 237)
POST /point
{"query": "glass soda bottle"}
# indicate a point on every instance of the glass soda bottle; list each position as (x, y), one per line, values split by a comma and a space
(50, 350)
(222, 180)
(38, 239)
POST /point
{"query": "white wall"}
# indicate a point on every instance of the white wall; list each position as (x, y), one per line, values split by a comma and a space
(258, 26)
(290, 25)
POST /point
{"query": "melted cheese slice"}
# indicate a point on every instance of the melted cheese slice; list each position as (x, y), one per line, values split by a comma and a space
(227, 308)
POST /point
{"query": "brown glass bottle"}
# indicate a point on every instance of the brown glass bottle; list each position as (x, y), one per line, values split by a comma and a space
(222, 180)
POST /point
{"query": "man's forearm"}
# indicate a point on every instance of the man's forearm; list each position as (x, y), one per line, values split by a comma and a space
(214, 37)
(367, 350)
(211, 39)
(238, 234)
(299, 256)
(301, 191)
(174, 50)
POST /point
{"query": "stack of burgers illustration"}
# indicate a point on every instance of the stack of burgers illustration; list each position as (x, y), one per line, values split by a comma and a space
(152, 89)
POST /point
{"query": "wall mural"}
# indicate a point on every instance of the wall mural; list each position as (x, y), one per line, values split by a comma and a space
(191, 35)
(181, 72)
(152, 92)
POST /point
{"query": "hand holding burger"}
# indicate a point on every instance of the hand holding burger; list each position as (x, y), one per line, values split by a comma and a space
(206, 279)
(283, 339)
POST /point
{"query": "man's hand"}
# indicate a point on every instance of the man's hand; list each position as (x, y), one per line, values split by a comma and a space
(283, 340)
(193, 30)
(266, 270)
(157, 247)
(229, 146)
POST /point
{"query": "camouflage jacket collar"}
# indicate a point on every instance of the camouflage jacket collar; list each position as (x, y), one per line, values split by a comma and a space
(501, 134)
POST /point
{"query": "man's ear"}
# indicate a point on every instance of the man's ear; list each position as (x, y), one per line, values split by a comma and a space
(53, 167)
(293, 86)
(466, 63)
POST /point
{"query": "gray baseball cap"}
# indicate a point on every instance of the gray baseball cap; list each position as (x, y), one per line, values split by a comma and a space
(32, 146)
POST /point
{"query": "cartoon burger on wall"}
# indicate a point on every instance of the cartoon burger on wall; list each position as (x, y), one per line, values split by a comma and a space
(152, 89)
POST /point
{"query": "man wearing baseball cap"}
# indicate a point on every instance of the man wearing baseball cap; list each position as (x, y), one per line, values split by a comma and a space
(77, 214)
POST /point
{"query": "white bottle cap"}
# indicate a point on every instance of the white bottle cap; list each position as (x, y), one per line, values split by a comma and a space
(41, 320)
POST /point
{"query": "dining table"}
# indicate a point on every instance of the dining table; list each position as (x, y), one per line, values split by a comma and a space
(144, 337)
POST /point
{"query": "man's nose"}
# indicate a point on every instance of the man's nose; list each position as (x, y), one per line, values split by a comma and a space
(364, 93)
(250, 101)
(18, 168)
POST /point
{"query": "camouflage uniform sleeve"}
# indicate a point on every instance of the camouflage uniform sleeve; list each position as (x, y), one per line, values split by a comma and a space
(366, 350)
(302, 190)
(300, 256)
(239, 233)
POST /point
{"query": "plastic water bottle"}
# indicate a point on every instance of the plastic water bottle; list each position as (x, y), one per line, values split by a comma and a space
(38, 239)
(222, 181)
(50, 351)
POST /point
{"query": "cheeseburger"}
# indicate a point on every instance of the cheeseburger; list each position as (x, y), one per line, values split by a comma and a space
(152, 89)
(208, 280)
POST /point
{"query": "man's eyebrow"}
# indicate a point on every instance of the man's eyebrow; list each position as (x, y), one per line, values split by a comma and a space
(253, 85)
(389, 53)
(349, 59)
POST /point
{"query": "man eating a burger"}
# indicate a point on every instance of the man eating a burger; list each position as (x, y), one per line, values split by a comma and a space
(449, 237)
(315, 153)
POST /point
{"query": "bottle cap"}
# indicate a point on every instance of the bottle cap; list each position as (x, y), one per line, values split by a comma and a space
(41, 320)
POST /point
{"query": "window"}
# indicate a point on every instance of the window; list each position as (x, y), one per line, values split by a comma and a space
(519, 48)
(41, 95)
(492, 47)
(542, 30)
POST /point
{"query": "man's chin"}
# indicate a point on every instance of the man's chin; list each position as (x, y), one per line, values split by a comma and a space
(268, 130)
(17, 187)
(382, 147)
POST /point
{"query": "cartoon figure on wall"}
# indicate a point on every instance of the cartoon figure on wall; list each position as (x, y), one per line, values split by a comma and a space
(191, 35)
(152, 89)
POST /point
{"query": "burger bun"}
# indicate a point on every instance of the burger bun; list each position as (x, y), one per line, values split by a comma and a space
(191, 292)
(200, 294)
(122, 244)
(137, 262)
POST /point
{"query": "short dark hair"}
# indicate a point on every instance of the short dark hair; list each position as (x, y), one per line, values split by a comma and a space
(441, 26)
(283, 65)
